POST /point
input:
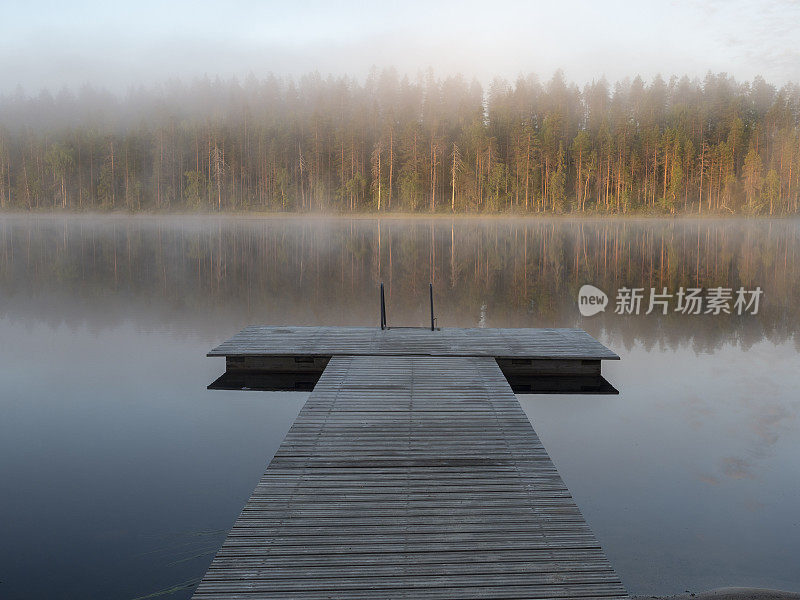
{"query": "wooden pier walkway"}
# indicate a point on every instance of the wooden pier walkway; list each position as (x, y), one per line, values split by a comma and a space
(410, 476)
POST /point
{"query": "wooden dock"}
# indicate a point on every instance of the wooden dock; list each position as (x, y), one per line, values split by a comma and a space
(411, 474)
(536, 344)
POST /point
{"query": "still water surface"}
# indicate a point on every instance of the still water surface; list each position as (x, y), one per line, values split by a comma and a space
(120, 472)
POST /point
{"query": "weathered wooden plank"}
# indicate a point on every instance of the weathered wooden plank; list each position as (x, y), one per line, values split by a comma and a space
(317, 342)
(510, 591)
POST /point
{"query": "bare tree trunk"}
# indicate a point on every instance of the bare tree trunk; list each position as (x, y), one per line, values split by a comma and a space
(527, 169)
(453, 182)
(379, 179)
(113, 182)
(702, 170)
(391, 166)
(433, 176)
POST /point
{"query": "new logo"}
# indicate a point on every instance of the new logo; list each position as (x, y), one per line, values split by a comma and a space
(591, 300)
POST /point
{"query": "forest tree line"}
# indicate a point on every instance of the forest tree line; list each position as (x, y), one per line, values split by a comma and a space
(397, 144)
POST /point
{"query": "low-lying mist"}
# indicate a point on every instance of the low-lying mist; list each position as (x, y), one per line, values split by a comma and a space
(398, 144)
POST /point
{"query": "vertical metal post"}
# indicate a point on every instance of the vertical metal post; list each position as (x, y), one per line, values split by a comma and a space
(383, 309)
(432, 317)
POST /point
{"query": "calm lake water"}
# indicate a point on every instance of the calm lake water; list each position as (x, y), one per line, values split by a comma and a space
(120, 472)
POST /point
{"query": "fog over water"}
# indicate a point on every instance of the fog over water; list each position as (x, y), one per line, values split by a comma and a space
(123, 472)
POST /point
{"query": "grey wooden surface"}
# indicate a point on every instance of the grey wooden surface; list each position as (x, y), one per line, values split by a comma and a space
(410, 477)
(333, 341)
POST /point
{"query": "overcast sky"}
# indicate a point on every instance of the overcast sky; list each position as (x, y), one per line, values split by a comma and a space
(116, 45)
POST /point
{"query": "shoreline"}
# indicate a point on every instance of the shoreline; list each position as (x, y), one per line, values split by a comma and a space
(398, 216)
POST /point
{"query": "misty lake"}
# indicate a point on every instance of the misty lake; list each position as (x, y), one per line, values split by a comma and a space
(121, 472)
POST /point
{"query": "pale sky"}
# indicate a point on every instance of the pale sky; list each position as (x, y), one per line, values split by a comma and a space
(116, 45)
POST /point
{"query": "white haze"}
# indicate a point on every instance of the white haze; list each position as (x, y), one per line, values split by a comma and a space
(115, 45)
